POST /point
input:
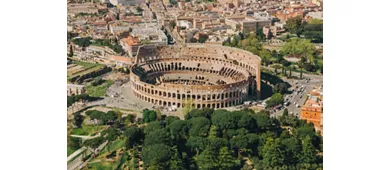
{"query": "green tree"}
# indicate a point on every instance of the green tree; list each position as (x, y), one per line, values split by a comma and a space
(74, 143)
(179, 129)
(199, 126)
(215, 143)
(207, 160)
(197, 144)
(309, 153)
(260, 34)
(203, 112)
(224, 119)
(156, 137)
(157, 156)
(299, 48)
(78, 119)
(176, 162)
(152, 126)
(247, 121)
(171, 119)
(82, 42)
(110, 117)
(133, 136)
(172, 25)
(110, 134)
(295, 25)
(149, 115)
(276, 67)
(265, 56)
(71, 51)
(203, 38)
(275, 100)
(280, 88)
(188, 106)
(225, 159)
(139, 9)
(293, 150)
(193, 40)
(273, 153)
(95, 142)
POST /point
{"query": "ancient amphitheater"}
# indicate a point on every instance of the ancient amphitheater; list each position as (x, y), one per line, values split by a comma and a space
(202, 75)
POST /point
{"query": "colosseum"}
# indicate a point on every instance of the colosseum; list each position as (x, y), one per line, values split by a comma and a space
(210, 76)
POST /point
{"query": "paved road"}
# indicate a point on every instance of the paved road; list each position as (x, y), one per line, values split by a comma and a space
(85, 137)
(70, 157)
(78, 162)
(315, 80)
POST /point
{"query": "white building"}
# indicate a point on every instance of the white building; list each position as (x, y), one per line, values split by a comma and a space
(316, 15)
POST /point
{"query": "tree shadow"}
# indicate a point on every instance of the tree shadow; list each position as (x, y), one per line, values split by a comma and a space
(266, 91)
(272, 79)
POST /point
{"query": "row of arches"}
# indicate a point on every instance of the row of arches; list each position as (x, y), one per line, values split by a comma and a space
(170, 95)
(166, 103)
(205, 53)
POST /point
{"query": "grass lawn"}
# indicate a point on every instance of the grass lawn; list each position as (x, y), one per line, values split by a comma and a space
(86, 64)
(115, 145)
(110, 165)
(103, 165)
(100, 90)
(70, 150)
(87, 130)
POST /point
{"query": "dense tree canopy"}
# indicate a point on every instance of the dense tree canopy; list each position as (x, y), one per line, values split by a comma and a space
(78, 119)
(220, 139)
(281, 88)
(104, 118)
(156, 155)
(83, 42)
(149, 115)
(295, 25)
(275, 100)
(299, 48)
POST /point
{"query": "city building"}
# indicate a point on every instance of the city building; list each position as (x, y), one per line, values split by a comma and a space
(151, 35)
(312, 109)
(247, 24)
(127, 2)
(315, 15)
(130, 45)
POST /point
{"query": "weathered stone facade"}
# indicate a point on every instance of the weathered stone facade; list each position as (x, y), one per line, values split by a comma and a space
(75, 89)
(211, 76)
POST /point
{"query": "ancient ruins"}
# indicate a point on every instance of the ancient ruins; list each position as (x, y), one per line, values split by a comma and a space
(203, 75)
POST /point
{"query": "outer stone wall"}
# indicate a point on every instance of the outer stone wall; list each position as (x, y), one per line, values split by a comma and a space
(238, 71)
